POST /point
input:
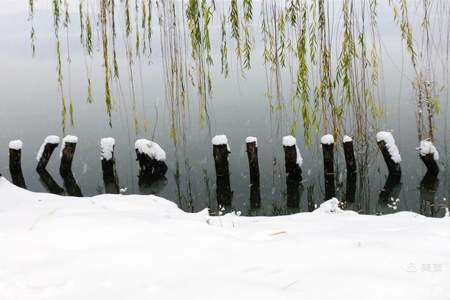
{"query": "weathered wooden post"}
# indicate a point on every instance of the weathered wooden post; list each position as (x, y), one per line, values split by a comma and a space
(15, 164)
(390, 152)
(292, 192)
(327, 142)
(151, 158)
(350, 191)
(221, 150)
(110, 179)
(46, 151)
(49, 183)
(252, 153)
(292, 157)
(430, 156)
(69, 144)
(349, 153)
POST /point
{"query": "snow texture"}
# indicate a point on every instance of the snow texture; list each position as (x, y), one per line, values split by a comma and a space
(143, 247)
(51, 139)
(71, 139)
(107, 148)
(251, 139)
(289, 141)
(152, 149)
(388, 139)
(221, 139)
(427, 147)
(347, 139)
(16, 145)
(327, 139)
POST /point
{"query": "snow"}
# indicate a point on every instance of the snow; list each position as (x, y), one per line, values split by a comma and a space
(143, 247)
(327, 139)
(289, 141)
(427, 147)
(67, 139)
(51, 139)
(388, 139)
(152, 149)
(347, 139)
(251, 139)
(221, 139)
(16, 145)
(107, 148)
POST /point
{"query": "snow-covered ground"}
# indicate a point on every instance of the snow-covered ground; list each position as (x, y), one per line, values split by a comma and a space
(144, 247)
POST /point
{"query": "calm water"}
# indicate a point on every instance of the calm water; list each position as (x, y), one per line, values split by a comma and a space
(239, 108)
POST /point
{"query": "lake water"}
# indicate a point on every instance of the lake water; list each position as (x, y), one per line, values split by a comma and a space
(30, 110)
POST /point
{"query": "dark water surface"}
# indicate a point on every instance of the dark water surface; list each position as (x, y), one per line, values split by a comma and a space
(30, 111)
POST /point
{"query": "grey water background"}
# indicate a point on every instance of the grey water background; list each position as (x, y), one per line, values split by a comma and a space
(30, 110)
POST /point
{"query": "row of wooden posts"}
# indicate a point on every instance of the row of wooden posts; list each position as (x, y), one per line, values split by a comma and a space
(150, 169)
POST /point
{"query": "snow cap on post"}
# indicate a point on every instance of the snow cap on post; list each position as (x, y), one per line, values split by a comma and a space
(16, 145)
(251, 139)
(427, 147)
(152, 149)
(327, 139)
(107, 148)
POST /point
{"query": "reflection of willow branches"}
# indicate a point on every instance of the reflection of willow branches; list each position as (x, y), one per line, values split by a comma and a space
(32, 31)
(69, 59)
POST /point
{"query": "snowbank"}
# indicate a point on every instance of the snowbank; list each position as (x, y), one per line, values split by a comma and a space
(388, 139)
(107, 148)
(427, 147)
(289, 141)
(327, 139)
(51, 139)
(143, 247)
(150, 148)
(16, 145)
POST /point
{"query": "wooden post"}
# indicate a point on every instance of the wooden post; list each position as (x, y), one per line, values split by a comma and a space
(429, 156)
(350, 192)
(327, 142)
(252, 153)
(391, 155)
(151, 158)
(428, 188)
(221, 150)
(46, 151)
(292, 157)
(110, 179)
(292, 192)
(15, 165)
(349, 153)
(69, 146)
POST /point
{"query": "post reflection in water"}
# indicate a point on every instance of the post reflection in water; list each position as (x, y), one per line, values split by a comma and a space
(49, 183)
(71, 185)
(428, 187)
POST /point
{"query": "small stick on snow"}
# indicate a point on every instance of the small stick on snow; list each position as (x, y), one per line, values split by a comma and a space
(327, 142)
(15, 164)
(390, 152)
